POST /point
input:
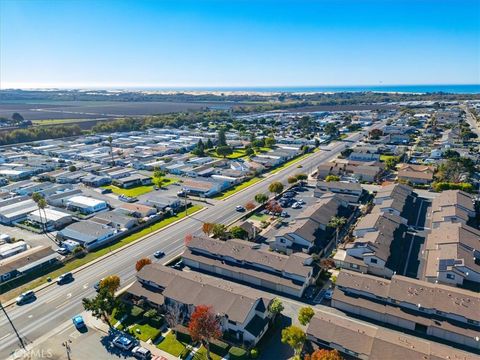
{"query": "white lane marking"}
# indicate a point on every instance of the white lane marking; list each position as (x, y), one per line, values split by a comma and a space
(85, 286)
(69, 295)
(5, 336)
(30, 316)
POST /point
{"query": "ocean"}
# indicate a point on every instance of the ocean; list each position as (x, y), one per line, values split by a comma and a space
(454, 89)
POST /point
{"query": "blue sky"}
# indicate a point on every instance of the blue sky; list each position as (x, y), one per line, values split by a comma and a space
(103, 43)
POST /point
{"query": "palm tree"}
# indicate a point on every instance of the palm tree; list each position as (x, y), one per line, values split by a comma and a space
(42, 204)
(110, 140)
(337, 223)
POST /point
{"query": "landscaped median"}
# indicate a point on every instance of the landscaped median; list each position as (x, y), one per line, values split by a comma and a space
(15, 287)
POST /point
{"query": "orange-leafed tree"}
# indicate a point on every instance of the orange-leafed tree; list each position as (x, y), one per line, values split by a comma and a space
(188, 239)
(204, 326)
(141, 263)
(207, 228)
(249, 206)
(324, 354)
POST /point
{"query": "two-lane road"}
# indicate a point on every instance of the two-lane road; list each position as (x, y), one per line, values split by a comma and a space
(57, 304)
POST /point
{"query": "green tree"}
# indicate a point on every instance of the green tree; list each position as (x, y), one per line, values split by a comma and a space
(224, 151)
(292, 179)
(249, 151)
(102, 305)
(276, 307)
(269, 142)
(238, 233)
(261, 198)
(337, 223)
(294, 337)
(16, 117)
(275, 187)
(330, 178)
(222, 139)
(331, 130)
(72, 168)
(199, 149)
(391, 162)
(305, 314)
(219, 231)
(209, 144)
(301, 177)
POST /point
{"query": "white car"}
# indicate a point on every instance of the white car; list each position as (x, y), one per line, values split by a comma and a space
(141, 353)
(296, 206)
(123, 342)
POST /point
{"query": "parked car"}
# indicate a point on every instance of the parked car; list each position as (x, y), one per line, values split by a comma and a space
(62, 251)
(141, 353)
(25, 297)
(158, 254)
(284, 214)
(296, 206)
(301, 202)
(65, 278)
(123, 342)
(128, 199)
(240, 208)
(328, 294)
(106, 191)
(78, 322)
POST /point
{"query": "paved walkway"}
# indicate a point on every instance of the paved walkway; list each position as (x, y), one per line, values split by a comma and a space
(101, 326)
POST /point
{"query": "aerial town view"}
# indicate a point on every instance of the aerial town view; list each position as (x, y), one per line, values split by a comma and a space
(235, 180)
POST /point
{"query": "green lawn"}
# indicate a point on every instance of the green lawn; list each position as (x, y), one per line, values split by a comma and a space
(133, 192)
(238, 187)
(139, 190)
(288, 163)
(386, 157)
(145, 332)
(237, 153)
(171, 345)
(201, 354)
(75, 263)
(259, 217)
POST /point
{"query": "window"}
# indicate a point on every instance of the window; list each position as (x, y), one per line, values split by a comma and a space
(354, 266)
(451, 276)
(373, 261)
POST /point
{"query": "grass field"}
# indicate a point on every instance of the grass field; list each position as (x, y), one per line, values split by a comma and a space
(386, 157)
(144, 332)
(133, 192)
(201, 354)
(237, 153)
(139, 190)
(76, 263)
(238, 187)
(171, 345)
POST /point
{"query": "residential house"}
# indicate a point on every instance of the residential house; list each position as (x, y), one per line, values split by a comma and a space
(87, 233)
(242, 311)
(49, 219)
(86, 205)
(415, 174)
(16, 209)
(350, 191)
(115, 220)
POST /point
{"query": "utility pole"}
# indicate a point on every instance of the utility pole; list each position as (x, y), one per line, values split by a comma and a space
(13, 327)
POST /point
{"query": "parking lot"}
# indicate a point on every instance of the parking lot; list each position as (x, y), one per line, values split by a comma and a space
(303, 197)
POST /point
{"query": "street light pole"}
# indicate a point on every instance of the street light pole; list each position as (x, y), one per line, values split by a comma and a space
(13, 327)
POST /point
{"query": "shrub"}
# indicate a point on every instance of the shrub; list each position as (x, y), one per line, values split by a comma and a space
(184, 354)
(254, 353)
(441, 186)
(136, 311)
(237, 353)
(183, 336)
(219, 347)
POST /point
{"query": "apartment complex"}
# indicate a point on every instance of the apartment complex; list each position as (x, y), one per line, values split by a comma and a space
(243, 312)
(437, 311)
(246, 262)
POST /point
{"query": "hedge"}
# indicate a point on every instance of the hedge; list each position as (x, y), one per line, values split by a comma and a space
(219, 347)
(237, 353)
(441, 186)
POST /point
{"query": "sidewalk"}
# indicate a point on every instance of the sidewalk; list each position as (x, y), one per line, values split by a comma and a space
(102, 327)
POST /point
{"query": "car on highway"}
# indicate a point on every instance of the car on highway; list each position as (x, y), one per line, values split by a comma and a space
(65, 278)
(25, 297)
(78, 322)
(96, 286)
(158, 254)
(123, 342)
(239, 208)
(141, 353)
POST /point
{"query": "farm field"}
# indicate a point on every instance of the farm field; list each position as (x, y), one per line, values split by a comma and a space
(38, 110)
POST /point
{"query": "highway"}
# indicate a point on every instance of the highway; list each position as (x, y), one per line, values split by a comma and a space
(56, 305)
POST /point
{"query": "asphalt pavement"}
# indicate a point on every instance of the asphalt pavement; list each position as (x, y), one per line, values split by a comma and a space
(56, 305)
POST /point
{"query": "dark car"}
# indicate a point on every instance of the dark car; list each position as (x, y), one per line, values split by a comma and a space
(65, 278)
(158, 254)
